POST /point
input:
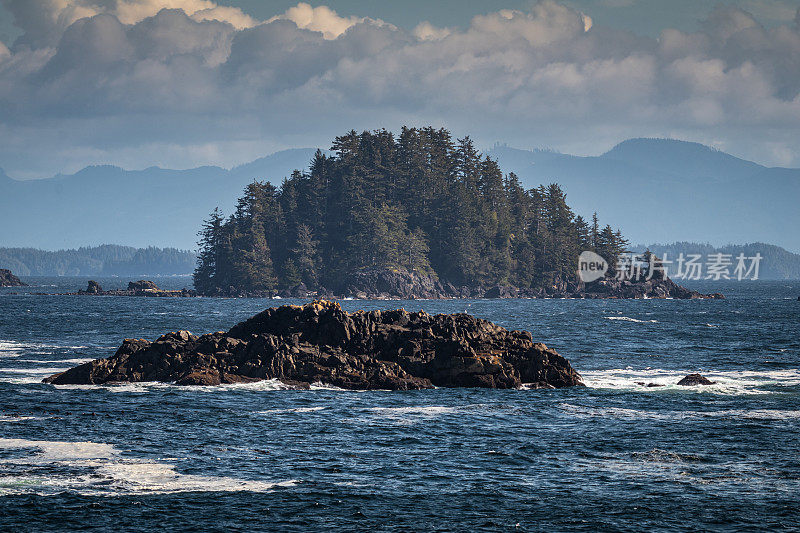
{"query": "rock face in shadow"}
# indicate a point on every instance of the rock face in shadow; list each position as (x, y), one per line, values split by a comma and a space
(93, 287)
(394, 283)
(8, 279)
(643, 288)
(320, 342)
(695, 379)
(399, 283)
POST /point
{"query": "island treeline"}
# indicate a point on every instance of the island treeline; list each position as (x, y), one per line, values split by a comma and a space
(104, 260)
(418, 202)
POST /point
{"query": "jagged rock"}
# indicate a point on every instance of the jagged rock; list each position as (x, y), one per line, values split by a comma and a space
(501, 291)
(93, 287)
(319, 342)
(649, 385)
(695, 379)
(142, 285)
(399, 283)
(393, 283)
(642, 288)
(8, 279)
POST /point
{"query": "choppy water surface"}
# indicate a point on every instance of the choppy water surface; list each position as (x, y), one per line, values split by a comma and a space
(616, 455)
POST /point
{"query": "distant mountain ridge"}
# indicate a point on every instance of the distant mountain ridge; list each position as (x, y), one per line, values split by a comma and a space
(655, 190)
(663, 190)
(105, 260)
(776, 263)
(105, 203)
(689, 159)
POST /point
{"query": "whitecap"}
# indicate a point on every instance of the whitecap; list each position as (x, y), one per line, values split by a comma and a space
(110, 473)
(726, 382)
(629, 319)
(21, 418)
(48, 371)
(414, 410)
(318, 385)
(10, 348)
(622, 413)
(148, 386)
(78, 361)
(290, 410)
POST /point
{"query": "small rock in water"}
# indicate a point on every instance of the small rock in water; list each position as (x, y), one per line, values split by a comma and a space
(643, 384)
(695, 379)
(142, 285)
(93, 287)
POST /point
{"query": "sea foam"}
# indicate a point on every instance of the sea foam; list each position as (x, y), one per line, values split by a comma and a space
(726, 382)
(109, 472)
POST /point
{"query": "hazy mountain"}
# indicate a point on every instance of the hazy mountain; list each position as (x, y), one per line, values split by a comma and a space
(655, 190)
(140, 208)
(776, 263)
(666, 190)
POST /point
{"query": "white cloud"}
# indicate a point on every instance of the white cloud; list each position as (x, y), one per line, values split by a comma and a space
(425, 31)
(231, 15)
(322, 19)
(43, 21)
(587, 22)
(137, 76)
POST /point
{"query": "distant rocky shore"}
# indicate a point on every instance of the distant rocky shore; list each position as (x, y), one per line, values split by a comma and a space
(8, 279)
(389, 284)
(385, 284)
(321, 343)
(142, 287)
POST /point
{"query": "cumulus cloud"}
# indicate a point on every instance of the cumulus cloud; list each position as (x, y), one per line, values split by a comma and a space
(322, 19)
(93, 80)
(43, 21)
(425, 31)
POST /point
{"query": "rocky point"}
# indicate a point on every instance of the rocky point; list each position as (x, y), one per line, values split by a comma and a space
(8, 279)
(321, 343)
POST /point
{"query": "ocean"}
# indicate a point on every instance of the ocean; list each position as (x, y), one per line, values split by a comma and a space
(616, 455)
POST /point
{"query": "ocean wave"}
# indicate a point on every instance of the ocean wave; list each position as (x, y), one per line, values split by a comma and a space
(665, 381)
(110, 474)
(9, 348)
(424, 410)
(78, 361)
(21, 418)
(149, 386)
(290, 410)
(622, 413)
(408, 415)
(629, 319)
(27, 376)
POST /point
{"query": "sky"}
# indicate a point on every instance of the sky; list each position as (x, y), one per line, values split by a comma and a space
(183, 83)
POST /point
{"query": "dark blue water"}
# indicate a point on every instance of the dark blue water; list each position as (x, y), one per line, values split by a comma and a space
(614, 456)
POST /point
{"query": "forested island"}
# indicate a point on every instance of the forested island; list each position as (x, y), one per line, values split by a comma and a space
(103, 260)
(418, 214)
